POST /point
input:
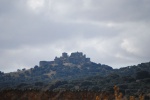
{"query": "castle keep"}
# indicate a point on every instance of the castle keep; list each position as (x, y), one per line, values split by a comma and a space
(74, 58)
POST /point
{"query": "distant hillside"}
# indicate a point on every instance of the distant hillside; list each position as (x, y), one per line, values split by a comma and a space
(76, 72)
(66, 68)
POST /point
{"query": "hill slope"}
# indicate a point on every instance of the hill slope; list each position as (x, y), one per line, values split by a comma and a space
(64, 68)
(76, 72)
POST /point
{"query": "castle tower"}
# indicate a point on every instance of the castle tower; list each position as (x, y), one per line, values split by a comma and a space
(64, 55)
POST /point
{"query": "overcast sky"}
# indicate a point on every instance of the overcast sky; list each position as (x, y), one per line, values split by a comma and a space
(112, 32)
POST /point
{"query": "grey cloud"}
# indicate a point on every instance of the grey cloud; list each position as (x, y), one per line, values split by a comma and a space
(115, 11)
(111, 32)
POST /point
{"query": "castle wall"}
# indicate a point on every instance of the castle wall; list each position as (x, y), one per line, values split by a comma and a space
(75, 58)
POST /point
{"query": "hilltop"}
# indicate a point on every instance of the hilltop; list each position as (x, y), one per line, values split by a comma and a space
(76, 58)
(78, 72)
(64, 68)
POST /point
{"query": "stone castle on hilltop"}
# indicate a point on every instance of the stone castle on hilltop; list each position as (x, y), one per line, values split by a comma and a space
(74, 58)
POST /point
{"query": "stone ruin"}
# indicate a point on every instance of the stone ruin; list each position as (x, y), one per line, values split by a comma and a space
(75, 58)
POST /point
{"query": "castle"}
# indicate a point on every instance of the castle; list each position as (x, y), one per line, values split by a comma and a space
(74, 58)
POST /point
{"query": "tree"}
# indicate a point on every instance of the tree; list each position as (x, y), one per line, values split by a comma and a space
(142, 75)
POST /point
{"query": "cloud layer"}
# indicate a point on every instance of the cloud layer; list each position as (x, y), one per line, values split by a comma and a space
(109, 32)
